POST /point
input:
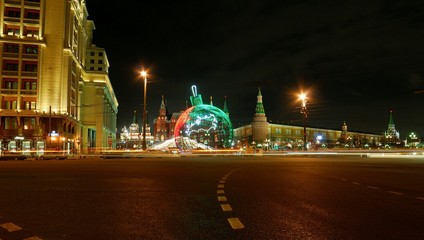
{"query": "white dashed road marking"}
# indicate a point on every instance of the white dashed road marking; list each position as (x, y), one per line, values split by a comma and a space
(222, 198)
(235, 223)
(420, 198)
(226, 207)
(33, 238)
(10, 227)
(372, 187)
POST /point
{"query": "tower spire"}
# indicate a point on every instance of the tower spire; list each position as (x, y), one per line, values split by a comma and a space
(260, 123)
(162, 104)
(260, 110)
(391, 120)
(211, 101)
(225, 107)
(135, 117)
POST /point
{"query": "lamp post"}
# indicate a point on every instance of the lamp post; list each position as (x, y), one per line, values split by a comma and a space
(304, 111)
(144, 74)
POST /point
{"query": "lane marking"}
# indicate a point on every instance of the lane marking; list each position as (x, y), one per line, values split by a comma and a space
(222, 181)
(226, 207)
(220, 191)
(420, 198)
(10, 227)
(235, 223)
(220, 185)
(343, 179)
(372, 187)
(33, 238)
(356, 183)
(222, 199)
(395, 193)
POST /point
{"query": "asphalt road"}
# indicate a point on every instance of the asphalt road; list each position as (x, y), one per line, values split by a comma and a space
(213, 198)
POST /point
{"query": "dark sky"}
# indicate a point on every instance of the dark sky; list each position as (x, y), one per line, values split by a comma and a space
(357, 59)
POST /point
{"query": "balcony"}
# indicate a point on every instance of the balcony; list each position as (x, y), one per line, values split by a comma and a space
(9, 73)
(29, 74)
(11, 19)
(29, 56)
(9, 91)
(31, 3)
(28, 92)
(14, 2)
(10, 55)
(31, 20)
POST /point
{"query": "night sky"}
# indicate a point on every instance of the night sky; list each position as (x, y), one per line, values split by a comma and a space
(356, 59)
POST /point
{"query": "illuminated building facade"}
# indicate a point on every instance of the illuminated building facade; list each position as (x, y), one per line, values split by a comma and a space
(391, 135)
(131, 137)
(164, 124)
(161, 126)
(266, 135)
(55, 90)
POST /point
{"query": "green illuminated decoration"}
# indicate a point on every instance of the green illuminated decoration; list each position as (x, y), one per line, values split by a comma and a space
(203, 126)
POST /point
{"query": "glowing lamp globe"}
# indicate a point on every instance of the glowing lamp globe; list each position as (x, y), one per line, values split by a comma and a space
(203, 127)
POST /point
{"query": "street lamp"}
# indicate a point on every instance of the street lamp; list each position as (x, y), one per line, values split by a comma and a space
(304, 111)
(144, 74)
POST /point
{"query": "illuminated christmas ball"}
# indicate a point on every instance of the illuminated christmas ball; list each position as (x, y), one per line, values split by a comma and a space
(203, 127)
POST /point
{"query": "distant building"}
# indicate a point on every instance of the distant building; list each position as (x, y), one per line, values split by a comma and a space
(132, 137)
(55, 90)
(262, 134)
(161, 126)
(391, 135)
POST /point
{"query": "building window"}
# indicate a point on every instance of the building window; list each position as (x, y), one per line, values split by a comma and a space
(30, 67)
(31, 14)
(100, 54)
(11, 84)
(100, 61)
(29, 123)
(31, 32)
(99, 69)
(13, 12)
(91, 60)
(91, 68)
(91, 53)
(10, 123)
(12, 31)
(10, 104)
(11, 66)
(29, 85)
(30, 49)
(11, 48)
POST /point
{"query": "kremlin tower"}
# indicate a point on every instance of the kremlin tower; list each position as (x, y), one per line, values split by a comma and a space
(391, 135)
(259, 124)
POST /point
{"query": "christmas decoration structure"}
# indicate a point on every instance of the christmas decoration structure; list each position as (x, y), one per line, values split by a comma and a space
(203, 126)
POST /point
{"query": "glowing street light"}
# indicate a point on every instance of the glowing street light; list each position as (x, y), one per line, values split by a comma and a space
(144, 74)
(304, 111)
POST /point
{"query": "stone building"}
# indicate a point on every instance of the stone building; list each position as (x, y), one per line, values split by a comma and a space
(266, 135)
(55, 89)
